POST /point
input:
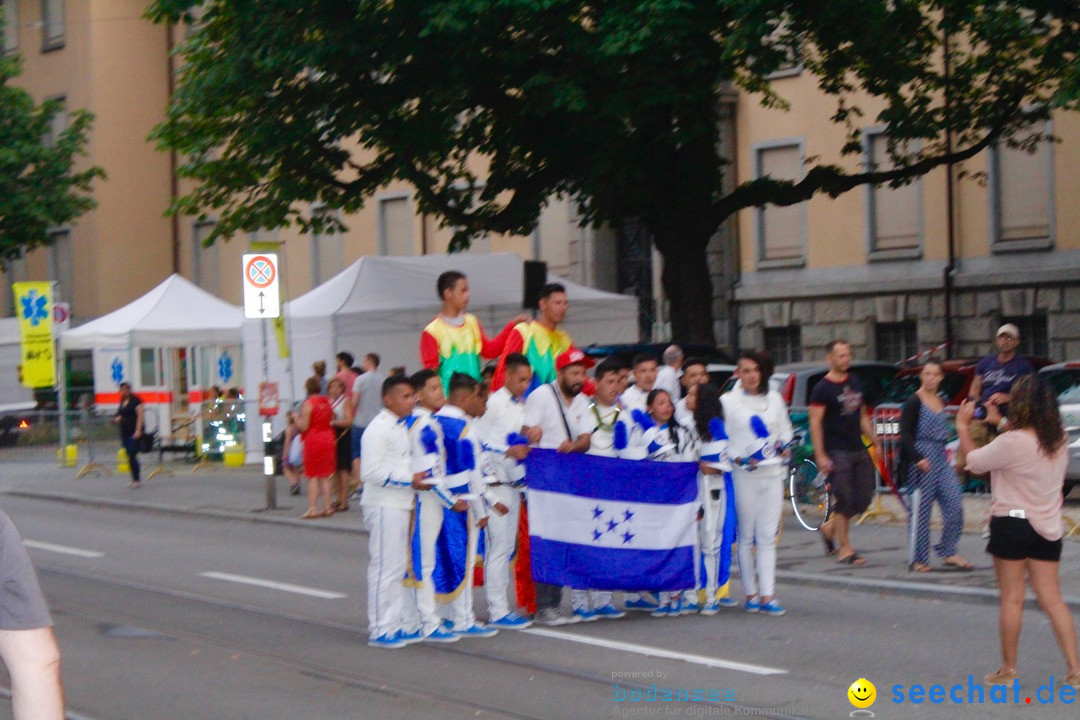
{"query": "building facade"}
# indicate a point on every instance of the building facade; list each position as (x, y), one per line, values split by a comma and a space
(869, 266)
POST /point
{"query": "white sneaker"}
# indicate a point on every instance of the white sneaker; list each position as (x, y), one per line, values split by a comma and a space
(555, 616)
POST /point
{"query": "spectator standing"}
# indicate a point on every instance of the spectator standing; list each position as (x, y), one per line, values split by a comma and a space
(669, 374)
(342, 407)
(838, 420)
(319, 368)
(320, 452)
(27, 642)
(292, 463)
(1027, 471)
(367, 395)
(759, 483)
(129, 416)
(924, 433)
(454, 341)
(994, 377)
(345, 370)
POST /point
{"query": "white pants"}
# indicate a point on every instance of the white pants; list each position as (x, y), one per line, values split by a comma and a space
(501, 541)
(581, 599)
(419, 613)
(759, 499)
(711, 530)
(388, 541)
(459, 611)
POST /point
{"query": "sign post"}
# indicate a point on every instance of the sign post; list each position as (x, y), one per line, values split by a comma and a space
(262, 301)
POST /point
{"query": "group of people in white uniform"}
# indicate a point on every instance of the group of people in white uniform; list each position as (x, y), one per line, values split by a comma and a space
(449, 459)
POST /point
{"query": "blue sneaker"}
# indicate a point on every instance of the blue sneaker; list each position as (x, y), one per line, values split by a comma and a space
(510, 621)
(477, 630)
(584, 614)
(441, 636)
(641, 605)
(387, 642)
(608, 612)
(728, 602)
(448, 625)
(773, 608)
(690, 607)
(675, 608)
(710, 608)
(409, 638)
(751, 606)
(662, 611)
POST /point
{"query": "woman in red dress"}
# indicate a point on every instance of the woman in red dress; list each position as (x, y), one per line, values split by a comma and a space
(320, 453)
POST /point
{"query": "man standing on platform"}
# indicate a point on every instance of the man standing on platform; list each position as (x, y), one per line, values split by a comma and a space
(454, 341)
(540, 340)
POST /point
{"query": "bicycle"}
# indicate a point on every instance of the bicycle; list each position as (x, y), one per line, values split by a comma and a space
(810, 496)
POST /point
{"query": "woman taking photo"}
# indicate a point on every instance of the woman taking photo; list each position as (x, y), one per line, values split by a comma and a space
(759, 430)
(1027, 464)
(320, 452)
(924, 432)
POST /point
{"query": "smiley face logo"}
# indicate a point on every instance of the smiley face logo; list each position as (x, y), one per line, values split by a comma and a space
(862, 693)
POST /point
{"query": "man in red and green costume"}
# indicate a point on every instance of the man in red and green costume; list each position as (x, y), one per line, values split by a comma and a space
(454, 341)
(540, 340)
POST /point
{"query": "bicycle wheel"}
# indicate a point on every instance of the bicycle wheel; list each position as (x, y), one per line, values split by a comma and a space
(809, 495)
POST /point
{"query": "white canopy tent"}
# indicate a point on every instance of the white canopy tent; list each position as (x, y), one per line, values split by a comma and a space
(170, 344)
(381, 305)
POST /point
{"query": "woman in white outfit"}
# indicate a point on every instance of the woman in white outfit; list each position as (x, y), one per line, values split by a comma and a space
(759, 451)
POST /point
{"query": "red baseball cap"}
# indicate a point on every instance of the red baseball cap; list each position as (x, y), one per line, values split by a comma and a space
(573, 356)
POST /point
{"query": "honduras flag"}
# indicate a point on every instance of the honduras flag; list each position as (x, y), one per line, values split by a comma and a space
(610, 524)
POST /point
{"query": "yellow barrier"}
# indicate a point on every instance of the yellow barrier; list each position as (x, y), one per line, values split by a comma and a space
(68, 456)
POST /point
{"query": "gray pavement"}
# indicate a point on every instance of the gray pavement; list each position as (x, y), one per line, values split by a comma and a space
(239, 493)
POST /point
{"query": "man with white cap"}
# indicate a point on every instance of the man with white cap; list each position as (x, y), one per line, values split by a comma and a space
(994, 378)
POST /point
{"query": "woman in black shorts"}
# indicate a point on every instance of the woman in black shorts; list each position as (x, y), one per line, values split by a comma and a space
(1027, 464)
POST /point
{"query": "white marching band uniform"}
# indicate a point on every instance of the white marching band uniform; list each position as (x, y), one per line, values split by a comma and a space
(711, 490)
(505, 416)
(759, 493)
(387, 504)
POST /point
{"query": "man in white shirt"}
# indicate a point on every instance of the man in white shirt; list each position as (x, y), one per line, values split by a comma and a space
(387, 505)
(667, 375)
(695, 373)
(556, 417)
(503, 420)
(637, 395)
(367, 394)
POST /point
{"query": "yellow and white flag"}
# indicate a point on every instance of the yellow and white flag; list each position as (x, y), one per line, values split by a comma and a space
(34, 307)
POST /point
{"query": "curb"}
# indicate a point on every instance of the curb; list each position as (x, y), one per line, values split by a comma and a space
(254, 515)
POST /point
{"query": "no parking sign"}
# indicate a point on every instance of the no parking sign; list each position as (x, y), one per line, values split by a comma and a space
(261, 297)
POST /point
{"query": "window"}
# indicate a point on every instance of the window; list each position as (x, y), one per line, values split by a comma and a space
(205, 260)
(14, 271)
(396, 226)
(893, 214)
(52, 24)
(896, 341)
(150, 370)
(327, 253)
(11, 25)
(1021, 196)
(781, 230)
(61, 260)
(58, 124)
(784, 344)
(1033, 335)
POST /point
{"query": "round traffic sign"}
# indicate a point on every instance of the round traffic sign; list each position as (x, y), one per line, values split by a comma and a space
(260, 271)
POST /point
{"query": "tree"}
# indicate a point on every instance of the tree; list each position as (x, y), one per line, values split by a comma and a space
(614, 103)
(39, 186)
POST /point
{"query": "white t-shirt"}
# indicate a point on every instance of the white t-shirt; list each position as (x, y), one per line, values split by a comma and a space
(634, 398)
(740, 407)
(667, 378)
(683, 416)
(542, 410)
(602, 441)
(368, 388)
(505, 414)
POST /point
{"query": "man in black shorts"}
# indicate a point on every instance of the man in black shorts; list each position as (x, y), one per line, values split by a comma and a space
(838, 420)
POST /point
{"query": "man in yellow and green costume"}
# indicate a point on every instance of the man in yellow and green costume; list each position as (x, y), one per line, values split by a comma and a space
(540, 340)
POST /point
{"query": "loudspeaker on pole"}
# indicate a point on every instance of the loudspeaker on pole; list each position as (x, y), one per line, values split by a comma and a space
(535, 279)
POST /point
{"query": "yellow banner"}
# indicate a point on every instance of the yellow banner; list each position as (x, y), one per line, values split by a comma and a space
(34, 306)
(282, 340)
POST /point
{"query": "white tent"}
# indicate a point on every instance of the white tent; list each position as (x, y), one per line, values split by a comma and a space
(177, 313)
(171, 344)
(381, 305)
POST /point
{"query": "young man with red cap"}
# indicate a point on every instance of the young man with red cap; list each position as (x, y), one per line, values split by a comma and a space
(557, 417)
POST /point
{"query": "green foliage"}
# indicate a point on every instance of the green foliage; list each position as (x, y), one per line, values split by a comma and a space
(39, 185)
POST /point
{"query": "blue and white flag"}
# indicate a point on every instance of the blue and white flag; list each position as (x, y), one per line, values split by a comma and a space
(610, 524)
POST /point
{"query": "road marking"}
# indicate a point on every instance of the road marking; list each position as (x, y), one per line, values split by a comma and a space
(658, 652)
(63, 549)
(286, 587)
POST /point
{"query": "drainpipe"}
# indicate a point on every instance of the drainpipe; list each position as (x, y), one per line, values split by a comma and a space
(174, 180)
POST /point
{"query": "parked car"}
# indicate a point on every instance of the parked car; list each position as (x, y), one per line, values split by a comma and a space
(1064, 378)
(719, 373)
(627, 351)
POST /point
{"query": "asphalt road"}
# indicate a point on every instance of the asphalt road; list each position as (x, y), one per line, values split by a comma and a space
(166, 616)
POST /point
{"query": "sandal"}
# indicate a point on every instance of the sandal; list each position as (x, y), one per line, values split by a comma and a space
(919, 567)
(327, 512)
(853, 559)
(342, 508)
(311, 515)
(958, 563)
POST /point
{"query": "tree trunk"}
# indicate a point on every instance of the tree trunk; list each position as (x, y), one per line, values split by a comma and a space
(688, 287)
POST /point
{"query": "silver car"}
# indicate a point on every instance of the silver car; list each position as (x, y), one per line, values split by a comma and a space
(1064, 378)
